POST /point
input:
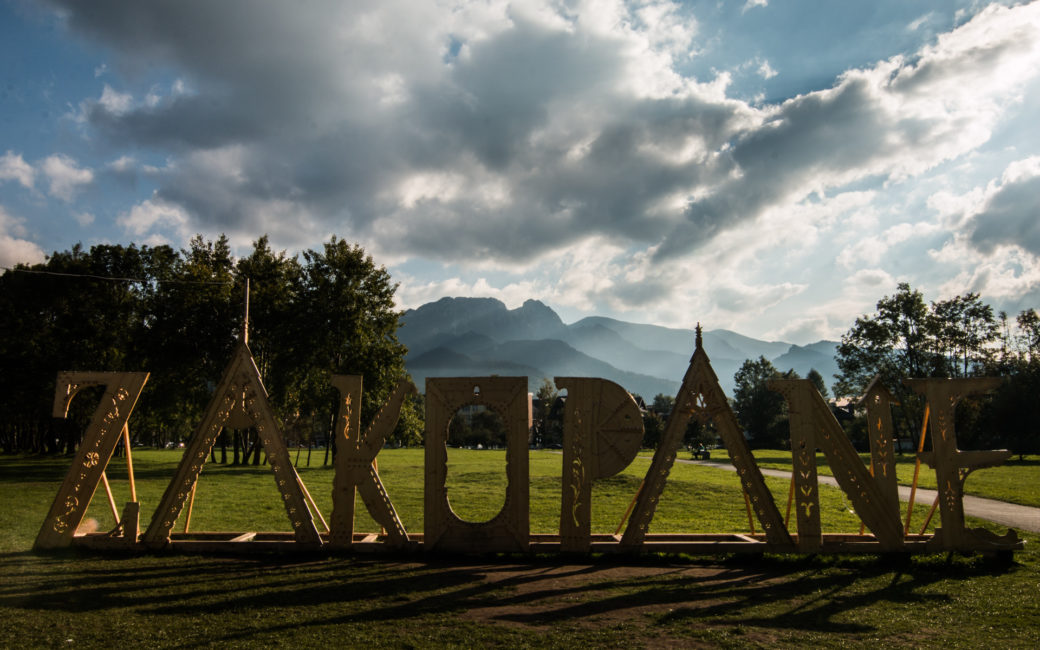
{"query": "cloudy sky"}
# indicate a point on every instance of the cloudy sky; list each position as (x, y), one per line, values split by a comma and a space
(763, 166)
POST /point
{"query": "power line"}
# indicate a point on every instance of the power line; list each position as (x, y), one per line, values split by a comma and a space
(115, 279)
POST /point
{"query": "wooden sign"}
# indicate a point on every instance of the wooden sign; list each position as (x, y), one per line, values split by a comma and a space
(602, 433)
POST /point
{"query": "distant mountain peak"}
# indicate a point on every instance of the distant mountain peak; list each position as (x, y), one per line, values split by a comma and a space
(482, 335)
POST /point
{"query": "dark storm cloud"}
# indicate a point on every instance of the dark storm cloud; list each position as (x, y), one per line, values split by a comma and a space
(182, 124)
(310, 129)
(813, 142)
(1010, 217)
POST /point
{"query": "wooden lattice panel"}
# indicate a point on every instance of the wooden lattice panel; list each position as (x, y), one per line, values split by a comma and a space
(878, 403)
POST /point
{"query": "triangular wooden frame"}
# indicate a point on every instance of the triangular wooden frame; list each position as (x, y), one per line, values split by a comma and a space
(240, 401)
(701, 395)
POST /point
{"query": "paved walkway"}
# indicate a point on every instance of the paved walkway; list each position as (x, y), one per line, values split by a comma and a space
(1001, 512)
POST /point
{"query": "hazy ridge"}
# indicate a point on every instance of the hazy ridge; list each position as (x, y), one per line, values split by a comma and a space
(480, 336)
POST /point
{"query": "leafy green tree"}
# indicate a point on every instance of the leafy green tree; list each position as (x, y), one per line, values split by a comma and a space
(488, 429)
(959, 337)
(177, 315)
(78, 310)
(965, 329)
(897, 342)
(345, 323)
(459, 432)
(1029, 336)
(1011, 418)
(817, 379)
(548, 430)
(194, 318)
(700, 434)
(410, 424)
(662, 405)
(655, 420)
(653, 429)
(761, 412)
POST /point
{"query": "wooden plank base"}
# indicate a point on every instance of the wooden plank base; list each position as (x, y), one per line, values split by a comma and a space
(663, 544)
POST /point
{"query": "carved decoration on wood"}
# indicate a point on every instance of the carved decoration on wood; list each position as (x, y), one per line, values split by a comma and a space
(99, 442)
(602, 431)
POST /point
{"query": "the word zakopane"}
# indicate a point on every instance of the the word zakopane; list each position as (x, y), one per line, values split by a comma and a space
(602, 432)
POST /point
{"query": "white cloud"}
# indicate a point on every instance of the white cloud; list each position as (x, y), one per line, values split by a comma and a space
(14, 248)
(919, 21)
(896, 120)
(150, 215)
(1006, 274)
(14, 168)
(123, 164)
(115, 102)
(869, 249)
(65, 176)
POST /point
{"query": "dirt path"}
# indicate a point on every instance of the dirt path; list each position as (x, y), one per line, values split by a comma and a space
(1001, 512)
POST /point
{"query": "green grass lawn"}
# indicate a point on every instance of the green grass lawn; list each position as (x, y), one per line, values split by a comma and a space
(1016, 481)
(170, 600)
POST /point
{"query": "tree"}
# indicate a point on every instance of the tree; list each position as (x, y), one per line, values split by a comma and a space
(1011, 419)
(700, 434)
(964, 329)
(663, 404)
(547, 428)
(345, 323)
(653, 429)
(894, 343)
(655, 420)
(817, 379)
(1029, 337)
(897, 342)
(958, 337)
(761, 412)
(177, 315)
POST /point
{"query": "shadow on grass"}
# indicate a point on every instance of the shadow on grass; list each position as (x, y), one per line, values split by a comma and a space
(279, 596)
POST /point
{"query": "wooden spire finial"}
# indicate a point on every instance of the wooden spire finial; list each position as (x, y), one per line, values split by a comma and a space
(245, 317)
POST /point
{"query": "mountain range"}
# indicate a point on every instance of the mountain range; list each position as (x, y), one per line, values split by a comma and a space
(461, 337)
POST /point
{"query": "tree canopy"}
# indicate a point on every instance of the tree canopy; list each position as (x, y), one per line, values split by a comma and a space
(958, 337)
(177, 315)
(761, 412)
